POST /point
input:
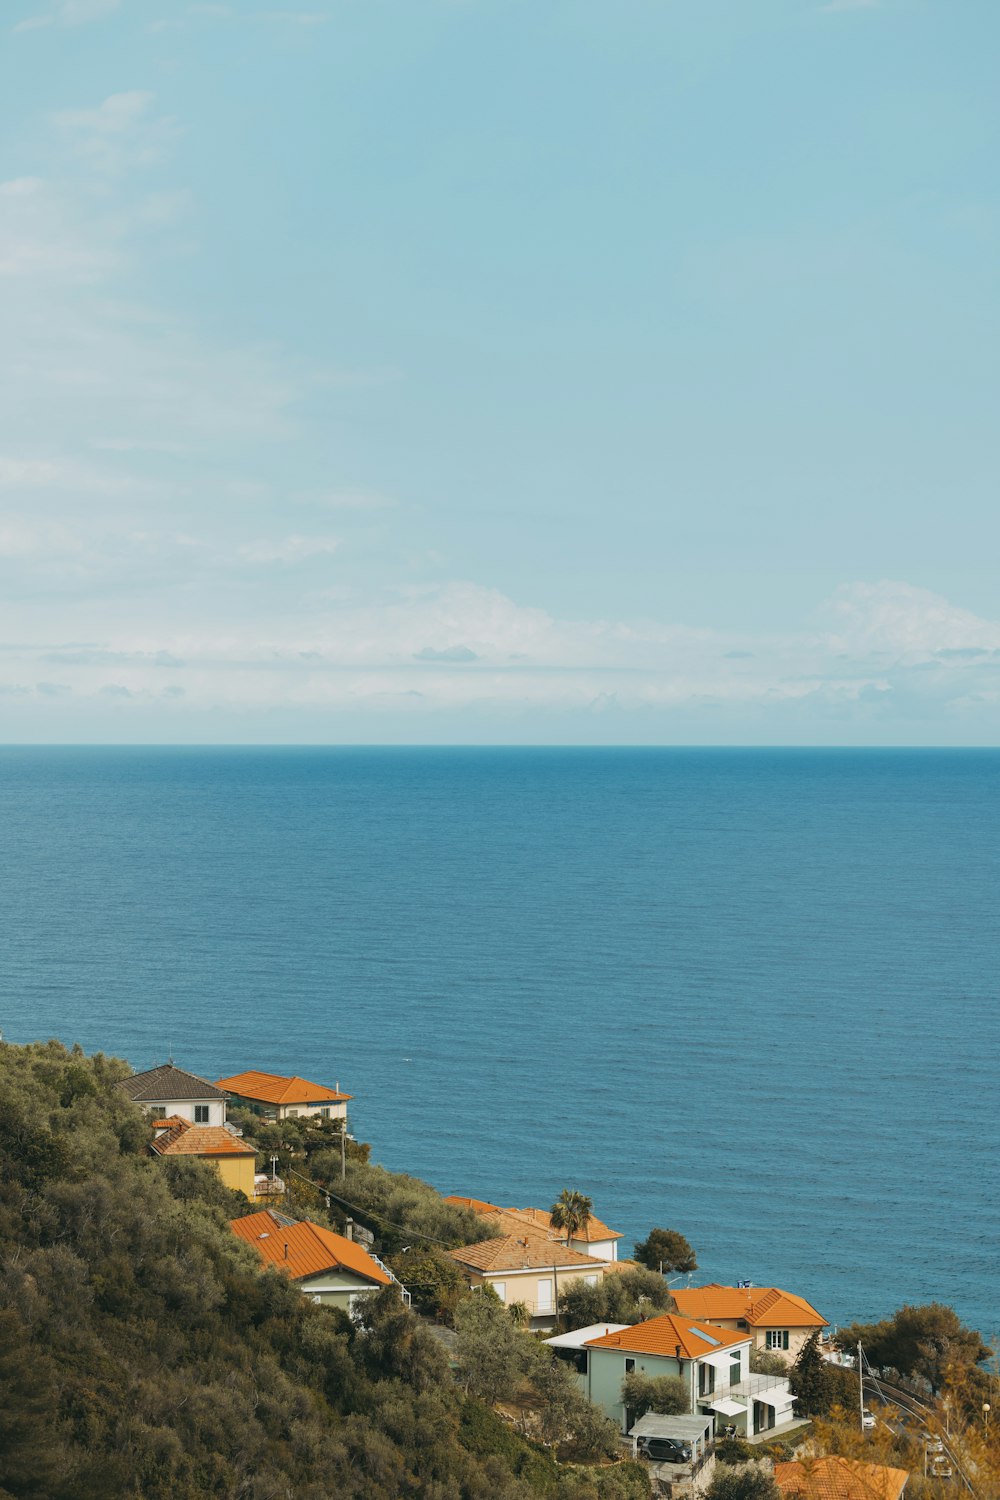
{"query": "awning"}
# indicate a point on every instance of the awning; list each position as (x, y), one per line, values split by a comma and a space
(777, 1400)
(725, 1406)
(720, 1361)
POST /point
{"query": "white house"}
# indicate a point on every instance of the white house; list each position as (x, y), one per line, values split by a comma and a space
(713, 1363)
(167, 1090)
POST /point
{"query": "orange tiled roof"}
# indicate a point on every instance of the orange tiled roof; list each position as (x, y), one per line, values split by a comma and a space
(169, 1122)
(305, 1249)
(540, 1218)
(509, 1252)
(836, 1478)
(668, 1333)
(273, 1088)
(185, 1139)
(759, 1306)
(478, 1205)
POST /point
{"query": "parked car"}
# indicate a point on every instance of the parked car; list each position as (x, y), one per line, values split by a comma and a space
(931, 1443)
(867, 1419)
(940, 1468)
(665, 1450)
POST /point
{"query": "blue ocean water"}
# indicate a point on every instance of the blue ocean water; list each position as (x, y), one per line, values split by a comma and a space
(747, 994)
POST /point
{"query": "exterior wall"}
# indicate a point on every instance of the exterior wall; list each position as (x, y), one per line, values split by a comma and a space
(598, 1249)
(236, 1172)
(160, 1109)
(523, 1286)
(796, 1336)
(336, 1289)
(326, 1109)
(606, 1371)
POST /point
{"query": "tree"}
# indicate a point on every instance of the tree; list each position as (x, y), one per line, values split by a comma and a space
(809, 1379)
(767, 1362)
(667, 1394)
(492, 1353)
(745, 1483)
(571, 1212)
(621, 1297)
(924, 1342)
(666, 1250)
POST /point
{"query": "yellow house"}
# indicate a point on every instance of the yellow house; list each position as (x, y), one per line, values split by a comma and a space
(232, 1158)
(529, 1268)
(778, 1321)
(593, 1238)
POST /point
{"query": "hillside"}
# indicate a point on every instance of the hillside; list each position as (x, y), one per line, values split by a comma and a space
(142, 1353)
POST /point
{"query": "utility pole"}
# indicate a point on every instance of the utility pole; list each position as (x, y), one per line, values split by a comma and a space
(343, 1151)
(861, 1387)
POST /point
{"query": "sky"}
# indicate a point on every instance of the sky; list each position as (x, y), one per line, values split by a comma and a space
(499, 371)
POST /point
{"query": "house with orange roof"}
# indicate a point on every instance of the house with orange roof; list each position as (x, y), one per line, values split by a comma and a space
(526, 1267)
(837, 1478)
(232, 1158)
(594, 1238)
(776, 1320)
(327, 1267)
(275, 1097)
(713, 1363)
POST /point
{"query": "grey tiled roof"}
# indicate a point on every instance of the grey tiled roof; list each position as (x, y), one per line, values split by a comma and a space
(168, 1082)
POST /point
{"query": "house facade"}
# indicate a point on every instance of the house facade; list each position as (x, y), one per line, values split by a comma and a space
(528, 1268)
(594, 1238)
(232, 1158)
(713, 1363)
(276, 1097)
(169, 1091)
(327, 1268)
(776, 1320)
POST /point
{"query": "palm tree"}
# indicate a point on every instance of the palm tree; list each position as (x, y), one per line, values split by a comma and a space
(571, 1212)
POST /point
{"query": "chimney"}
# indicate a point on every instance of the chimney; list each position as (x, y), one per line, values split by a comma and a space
(286, 1249)
(349, 1230)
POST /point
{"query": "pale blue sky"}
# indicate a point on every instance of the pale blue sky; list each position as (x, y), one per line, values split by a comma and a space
(478, 370)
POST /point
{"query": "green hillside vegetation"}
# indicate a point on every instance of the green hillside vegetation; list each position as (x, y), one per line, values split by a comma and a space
(144, 1354)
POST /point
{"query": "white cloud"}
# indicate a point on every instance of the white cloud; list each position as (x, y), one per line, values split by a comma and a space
(70, 13)
(898, 619)
(120, 135)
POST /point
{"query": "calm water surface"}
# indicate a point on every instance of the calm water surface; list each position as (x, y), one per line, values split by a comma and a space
(751, 995)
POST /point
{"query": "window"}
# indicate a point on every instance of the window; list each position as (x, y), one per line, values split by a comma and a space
(500, 1287)
(706, 1380)
(777, 1338)
(157, 1112)
(201, 1114)
(590, 1280)
(324, 1114)
(544, 1303)
(629, 1366)
(735, 1371)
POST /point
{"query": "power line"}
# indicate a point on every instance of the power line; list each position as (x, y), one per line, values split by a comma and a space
(367, 1212)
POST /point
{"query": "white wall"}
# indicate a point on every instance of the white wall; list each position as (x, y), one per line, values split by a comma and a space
(184, 1108)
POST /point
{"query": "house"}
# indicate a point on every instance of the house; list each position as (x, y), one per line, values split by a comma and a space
(594, 1238)
(836, 1478)
(528, 1268)
(776, 1320)
(276, 1097)
(327, 1267)
(167, 1090)
(232, 1158)
(713, 1363)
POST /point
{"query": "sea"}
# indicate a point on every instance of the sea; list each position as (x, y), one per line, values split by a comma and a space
(751, 995)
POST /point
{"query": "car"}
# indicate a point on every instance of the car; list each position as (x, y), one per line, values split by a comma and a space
(940, 1469)
(665, 1450)
(867, 1419)
(931, 1443)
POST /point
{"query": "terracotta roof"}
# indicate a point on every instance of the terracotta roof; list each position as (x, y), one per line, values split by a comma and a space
(836, 1478)
(274, 1088)
(759, 1306)
(511, 1252)
(185, 1139)
(305, 1249)
(168, 1122)
(168, 1082)
(541, 1219)
(668, 1333)
(478, 1205)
